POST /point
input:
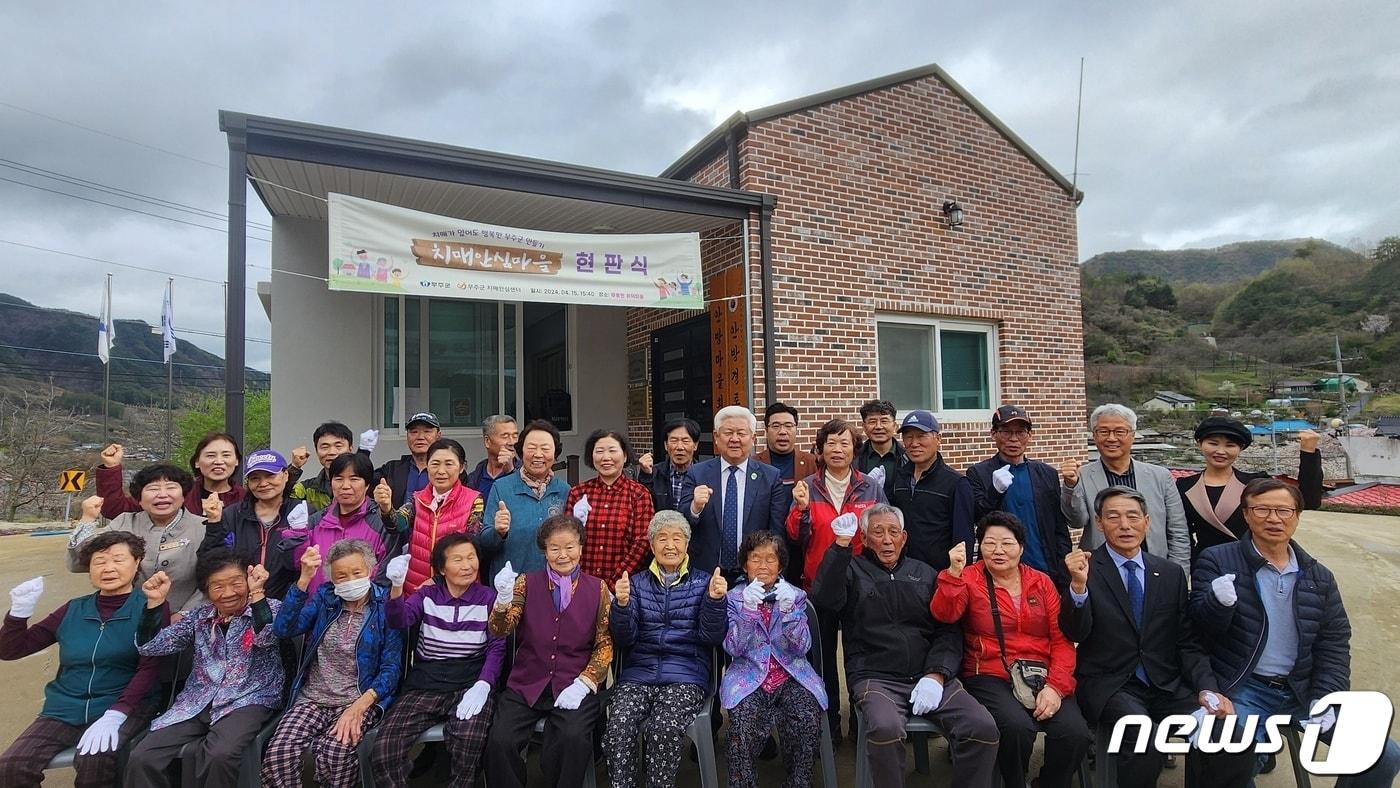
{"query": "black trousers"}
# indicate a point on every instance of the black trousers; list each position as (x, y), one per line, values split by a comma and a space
(1067, 736)
(216, 757)
(1141, 770)
(568, 740)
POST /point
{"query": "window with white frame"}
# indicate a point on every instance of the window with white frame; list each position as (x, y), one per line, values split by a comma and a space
(467, 360)
(946, 366)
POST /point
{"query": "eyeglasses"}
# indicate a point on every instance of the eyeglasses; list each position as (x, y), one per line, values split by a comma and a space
(1117, 432)
(1008, 545)
(785, 426)
(1282, 512)
(1116, 517)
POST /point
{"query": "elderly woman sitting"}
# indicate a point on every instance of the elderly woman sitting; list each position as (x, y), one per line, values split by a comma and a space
(102, 693)
(236, 684)
(349, 667)
(457, 663)
(171, 533)
(770, 680)
(1011, 614)
(669, 619)
(560, 617)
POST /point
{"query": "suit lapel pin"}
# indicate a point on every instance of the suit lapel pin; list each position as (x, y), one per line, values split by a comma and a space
(1154, 574)
(753, 475)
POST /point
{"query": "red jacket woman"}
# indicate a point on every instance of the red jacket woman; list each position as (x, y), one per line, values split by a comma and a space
(836, 488)
(444, 507)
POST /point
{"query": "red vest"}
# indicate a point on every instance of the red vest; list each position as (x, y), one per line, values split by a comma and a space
(430, 526)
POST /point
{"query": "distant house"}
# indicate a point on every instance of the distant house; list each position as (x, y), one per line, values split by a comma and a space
(1330, 384)
(1283, 427)
(1168, 401)
(1294, 388)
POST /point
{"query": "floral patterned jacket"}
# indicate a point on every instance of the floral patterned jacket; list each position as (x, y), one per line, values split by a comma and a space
(785, 638)
(241, 667)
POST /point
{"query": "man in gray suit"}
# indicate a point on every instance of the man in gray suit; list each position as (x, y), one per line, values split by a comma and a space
(1113, 428)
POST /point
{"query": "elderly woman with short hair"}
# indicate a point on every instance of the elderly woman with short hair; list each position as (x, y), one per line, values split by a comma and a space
(770, 681)
(349, 667)
(669, 619)
(102, 694)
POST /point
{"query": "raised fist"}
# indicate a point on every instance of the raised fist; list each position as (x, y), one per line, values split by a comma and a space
(801, 496)
(957, 559)
(1077, 562)
(112, 455)
(213, 508)
(1307, 440)
(257, 579)
(156, 589)
(505, 457)
(310, 562)
(299, 456)
(368, 440)
(702, 497)
(92, 508)
(646, 463)
(502, 519)
(1069, 472)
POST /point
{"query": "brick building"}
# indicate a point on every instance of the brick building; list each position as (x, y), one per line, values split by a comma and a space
(832, 275)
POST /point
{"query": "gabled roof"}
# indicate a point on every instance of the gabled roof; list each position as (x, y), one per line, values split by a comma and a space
(1378, 495)
(1172, 396)
(1388, 426)
(704, 151)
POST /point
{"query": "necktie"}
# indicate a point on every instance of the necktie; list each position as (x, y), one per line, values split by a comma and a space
(729, 538)
(1134, 587)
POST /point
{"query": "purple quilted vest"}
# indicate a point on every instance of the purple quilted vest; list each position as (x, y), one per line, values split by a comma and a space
(553, 648)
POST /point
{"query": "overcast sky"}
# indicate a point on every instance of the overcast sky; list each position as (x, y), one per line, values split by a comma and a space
(1204, 122)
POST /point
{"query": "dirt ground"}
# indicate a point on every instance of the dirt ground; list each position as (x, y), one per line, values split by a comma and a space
(1363, 550)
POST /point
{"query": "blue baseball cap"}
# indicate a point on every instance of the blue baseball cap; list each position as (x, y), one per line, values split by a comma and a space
(919, 420)
(264, 460)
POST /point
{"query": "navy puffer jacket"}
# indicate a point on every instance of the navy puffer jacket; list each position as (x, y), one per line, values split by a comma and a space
(1235, 635)
(668, 633)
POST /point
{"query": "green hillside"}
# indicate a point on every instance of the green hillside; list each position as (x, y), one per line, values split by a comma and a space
(1230, 263)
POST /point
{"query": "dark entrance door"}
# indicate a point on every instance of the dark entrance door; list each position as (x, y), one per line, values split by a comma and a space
(680, 381)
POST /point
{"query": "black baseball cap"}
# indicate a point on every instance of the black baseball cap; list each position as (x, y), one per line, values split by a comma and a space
(1009, 413)
(423, 418)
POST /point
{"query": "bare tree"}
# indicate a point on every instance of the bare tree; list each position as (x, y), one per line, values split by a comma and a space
(34, 448)
(1375, 325)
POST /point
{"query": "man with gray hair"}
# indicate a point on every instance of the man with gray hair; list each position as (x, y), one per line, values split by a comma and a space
(734, 494)
(1113, 428)
(899, 660)
(499, 434)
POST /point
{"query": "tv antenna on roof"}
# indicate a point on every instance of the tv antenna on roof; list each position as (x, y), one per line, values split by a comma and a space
(1078, 115)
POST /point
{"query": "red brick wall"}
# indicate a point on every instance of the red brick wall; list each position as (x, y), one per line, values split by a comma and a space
(857, 231)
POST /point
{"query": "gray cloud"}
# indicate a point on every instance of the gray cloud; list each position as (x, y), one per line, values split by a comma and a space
(1203, 122)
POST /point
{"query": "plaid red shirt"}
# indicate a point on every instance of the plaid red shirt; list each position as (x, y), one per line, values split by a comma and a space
(615, 536)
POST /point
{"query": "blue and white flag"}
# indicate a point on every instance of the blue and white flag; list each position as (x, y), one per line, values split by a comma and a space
(106, 330)
(167, 323)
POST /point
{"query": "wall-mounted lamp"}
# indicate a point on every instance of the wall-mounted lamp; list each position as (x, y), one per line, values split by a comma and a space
(952, 213)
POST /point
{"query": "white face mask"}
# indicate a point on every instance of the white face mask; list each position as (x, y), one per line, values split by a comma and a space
(353, 590)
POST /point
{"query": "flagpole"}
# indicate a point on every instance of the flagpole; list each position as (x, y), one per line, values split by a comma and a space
(169, 362)
(107, 366)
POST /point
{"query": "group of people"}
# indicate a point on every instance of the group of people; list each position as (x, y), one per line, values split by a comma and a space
(354, 610)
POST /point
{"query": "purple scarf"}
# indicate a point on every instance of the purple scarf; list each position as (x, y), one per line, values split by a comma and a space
(563, 587)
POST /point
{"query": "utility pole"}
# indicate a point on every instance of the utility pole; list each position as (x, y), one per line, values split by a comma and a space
(1341, 380)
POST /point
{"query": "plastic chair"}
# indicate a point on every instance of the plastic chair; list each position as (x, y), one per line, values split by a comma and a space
(700, 733)
(814, 657)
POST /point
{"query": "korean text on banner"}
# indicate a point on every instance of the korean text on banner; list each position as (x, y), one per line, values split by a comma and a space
(380, 248)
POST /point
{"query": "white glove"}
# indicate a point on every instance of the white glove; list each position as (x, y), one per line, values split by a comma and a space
(1002, 478)
(505, 586)
(103, 735)
(787, 595)
(926, 696)
(369, 439)
(473, 700)
(582, 508)
(877, 476)
(844, 526)
(1326, 719)
(1224, 589)
(572, 695)
(753, 595)
(1212, 702)
(397, 571)
(298, 517)
(1195, 737)
(25, 596)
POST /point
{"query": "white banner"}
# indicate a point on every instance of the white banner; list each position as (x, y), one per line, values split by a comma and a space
(380, 248)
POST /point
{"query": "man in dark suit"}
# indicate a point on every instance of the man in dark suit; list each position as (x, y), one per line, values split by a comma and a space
(1127, 609)
(1010, 481)
(733, 495)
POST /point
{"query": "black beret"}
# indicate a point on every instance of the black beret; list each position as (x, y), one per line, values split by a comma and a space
(1230, 428)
